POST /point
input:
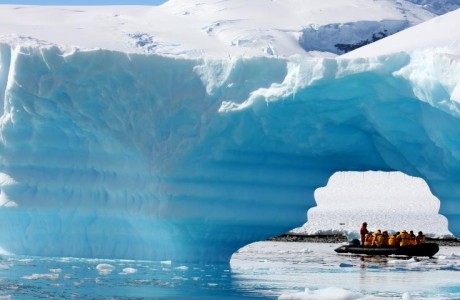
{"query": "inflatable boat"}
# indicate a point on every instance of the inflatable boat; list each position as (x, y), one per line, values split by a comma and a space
(428, 249)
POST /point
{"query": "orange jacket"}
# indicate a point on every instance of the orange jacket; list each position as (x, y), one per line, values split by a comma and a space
(378, 240)
(404, 239)
(392, 241)
(368, 240)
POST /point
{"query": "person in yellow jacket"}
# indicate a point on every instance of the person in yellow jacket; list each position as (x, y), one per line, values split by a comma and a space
(368, 239)
(386, 237)
(413, 240)
(404, 238)
(392, 241)
(378, 239)
(420, 238)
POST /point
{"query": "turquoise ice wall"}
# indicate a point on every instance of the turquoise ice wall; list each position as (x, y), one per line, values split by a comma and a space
(105, 154)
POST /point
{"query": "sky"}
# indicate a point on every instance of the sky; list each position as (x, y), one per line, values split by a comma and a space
(84, 2)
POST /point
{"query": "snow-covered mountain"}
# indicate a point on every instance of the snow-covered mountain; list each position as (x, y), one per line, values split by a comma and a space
(438, 6)
(223, 139)
(217, 28)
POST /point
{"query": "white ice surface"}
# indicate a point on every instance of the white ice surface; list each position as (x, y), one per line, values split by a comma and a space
(314, 271)
(385, 200)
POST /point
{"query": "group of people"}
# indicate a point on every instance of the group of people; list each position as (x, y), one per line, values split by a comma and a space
(382, 239)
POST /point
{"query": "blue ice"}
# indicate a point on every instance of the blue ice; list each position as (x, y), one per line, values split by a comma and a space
(115, 155)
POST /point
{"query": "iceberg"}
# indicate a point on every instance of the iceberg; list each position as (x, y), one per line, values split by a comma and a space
(114, 154)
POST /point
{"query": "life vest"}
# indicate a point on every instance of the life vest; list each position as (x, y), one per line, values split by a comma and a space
(404, 239)
(368, 240)
(378, 240)
(385, 240)
(392, 241)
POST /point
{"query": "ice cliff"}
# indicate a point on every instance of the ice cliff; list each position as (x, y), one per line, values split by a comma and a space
(112, 154)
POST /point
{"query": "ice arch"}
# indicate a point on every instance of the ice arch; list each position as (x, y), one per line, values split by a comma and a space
(386, 200)
(105, 154)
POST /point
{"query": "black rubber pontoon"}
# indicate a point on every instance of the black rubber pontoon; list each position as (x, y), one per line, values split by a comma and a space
(428, 249)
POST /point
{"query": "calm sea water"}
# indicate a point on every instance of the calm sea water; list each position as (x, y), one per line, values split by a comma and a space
(264, 270)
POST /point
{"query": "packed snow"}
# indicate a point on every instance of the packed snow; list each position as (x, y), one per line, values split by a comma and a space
(112, 150)
(212, 28)
(435, 34)
(389, 201)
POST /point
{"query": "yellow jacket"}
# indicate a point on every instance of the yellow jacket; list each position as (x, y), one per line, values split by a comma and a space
(378, 240)
(368, 240)
(392, 241)
(404, 239)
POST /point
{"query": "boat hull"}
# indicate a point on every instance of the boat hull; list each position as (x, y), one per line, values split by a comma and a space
(428, 249)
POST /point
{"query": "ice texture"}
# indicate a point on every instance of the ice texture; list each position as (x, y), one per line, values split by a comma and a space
(117, 155)
(438, 6)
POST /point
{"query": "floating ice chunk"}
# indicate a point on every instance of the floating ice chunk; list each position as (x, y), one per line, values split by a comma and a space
(41, 276)
(129, 271)
(105, 269)
(166, 262)
(406, 296)
(331, 293)
(183, 268)
(56, 270)
(399, 261)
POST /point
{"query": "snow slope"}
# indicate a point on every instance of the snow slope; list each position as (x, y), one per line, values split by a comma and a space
(215, 28)
(192, 155)
(437, 34)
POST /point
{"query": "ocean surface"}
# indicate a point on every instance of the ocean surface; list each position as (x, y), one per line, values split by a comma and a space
(263, 270)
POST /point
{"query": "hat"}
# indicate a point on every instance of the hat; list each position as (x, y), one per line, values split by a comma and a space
(404, 231)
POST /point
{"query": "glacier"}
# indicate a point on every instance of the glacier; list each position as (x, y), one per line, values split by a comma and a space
(116, 155)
